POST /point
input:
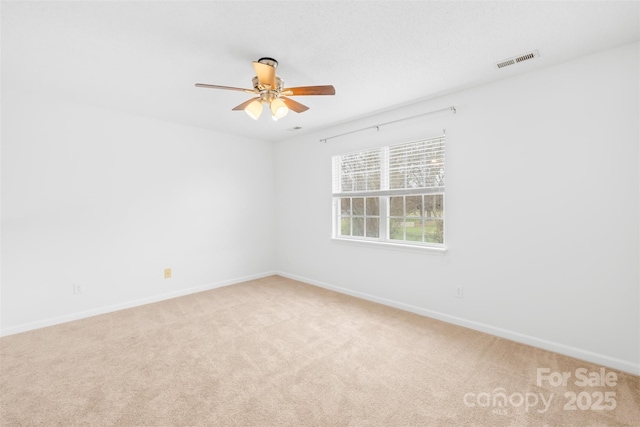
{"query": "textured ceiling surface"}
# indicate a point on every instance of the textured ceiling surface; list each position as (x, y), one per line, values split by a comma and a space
(144, 57)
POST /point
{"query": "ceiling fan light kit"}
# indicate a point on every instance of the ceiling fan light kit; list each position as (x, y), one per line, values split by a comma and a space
(278, 108)
(270, 89)
(254, 109)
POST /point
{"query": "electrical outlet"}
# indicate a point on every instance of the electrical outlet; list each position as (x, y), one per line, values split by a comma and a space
(167, 273)
(459, 292)
(77, 289)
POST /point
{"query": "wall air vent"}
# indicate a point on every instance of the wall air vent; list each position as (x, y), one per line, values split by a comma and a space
(518, 59)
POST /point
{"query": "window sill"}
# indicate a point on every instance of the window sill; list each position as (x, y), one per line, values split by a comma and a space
(393, 246)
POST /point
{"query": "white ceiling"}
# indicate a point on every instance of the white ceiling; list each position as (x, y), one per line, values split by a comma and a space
(145, 57)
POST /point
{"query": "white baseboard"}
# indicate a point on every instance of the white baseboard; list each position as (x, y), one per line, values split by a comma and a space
(128, 304)
(578, 353)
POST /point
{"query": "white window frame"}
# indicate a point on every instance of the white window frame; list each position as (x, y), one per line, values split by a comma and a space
(384, 194)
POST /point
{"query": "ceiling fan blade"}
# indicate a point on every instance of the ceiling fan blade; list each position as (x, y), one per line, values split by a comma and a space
(294, 105)
(309, 90)
(244, 104)
(266, 74)
(225, 88)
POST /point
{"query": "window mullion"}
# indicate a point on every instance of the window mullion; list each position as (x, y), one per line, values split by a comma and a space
(384, 218)
(384, 200)
(384, 168)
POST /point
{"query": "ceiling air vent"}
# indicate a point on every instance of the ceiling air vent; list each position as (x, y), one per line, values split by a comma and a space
(518, 59)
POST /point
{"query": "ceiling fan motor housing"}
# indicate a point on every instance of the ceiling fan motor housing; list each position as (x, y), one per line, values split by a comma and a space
(269, 61)
(265, 92)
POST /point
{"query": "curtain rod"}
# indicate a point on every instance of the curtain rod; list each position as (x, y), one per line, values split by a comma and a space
(377, 127)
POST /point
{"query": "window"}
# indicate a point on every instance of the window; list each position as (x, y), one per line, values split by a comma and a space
(392, 194)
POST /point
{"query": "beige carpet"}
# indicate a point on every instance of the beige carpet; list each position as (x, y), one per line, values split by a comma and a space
(276, 352)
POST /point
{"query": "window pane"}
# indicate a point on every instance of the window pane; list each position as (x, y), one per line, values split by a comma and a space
(396, 206)
(345, 206)
(346, 181)
(396, 180)
(345, 227)
(373, 227)
(360, 182)
(373, 180)
(359, 171)
(373, 206)
(434, 231)
(358, 205)
(358, 227)
(416, 172)
(396, 228)
(439, 205)
(433, 205)
(413, 229)
(413, 205)
(418, 164)
(429, 205)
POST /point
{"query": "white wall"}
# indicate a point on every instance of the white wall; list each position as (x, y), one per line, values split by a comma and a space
(542, 211)
(108, 200)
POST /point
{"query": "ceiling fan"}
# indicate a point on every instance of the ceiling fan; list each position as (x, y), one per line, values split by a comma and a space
(270, 89)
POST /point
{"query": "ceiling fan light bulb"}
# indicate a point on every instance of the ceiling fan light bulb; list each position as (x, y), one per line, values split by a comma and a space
(254, 109)
(279, 108)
